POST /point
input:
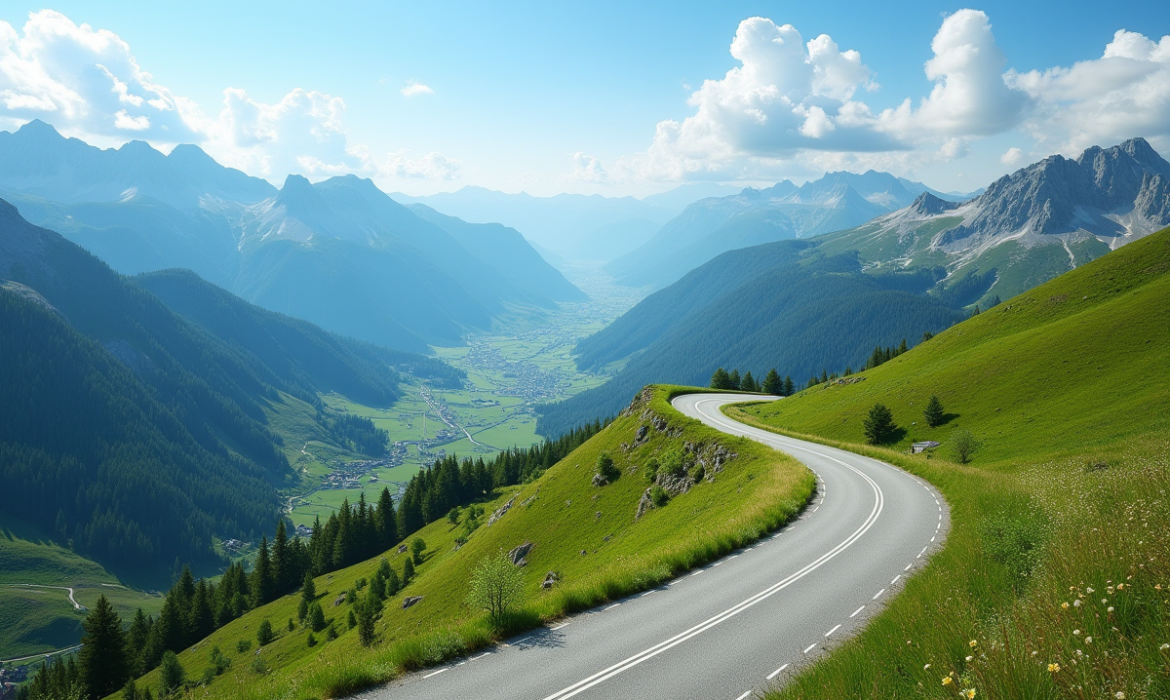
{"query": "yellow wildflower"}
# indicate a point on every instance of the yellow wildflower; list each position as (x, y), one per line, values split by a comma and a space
(1054, 668)
(947, 680)
(972, 643)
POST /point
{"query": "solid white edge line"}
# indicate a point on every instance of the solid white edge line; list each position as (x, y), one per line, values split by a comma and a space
(775, 673)
(857, 611)
(612, 606)
(741, 697)
(550, 629)
(436, 672)
(832, 630)
(810, 648)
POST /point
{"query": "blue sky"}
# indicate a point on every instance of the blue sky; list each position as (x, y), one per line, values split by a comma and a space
(570, 96)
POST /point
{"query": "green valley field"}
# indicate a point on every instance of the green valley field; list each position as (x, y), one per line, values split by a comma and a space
(1054, 580)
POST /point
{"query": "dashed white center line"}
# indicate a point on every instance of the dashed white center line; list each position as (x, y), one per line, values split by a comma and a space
(718, 562)
(895, 579)
(613, 606)
(441, 670)
(741, 697)
(875, 595)
(815, 509)
(932, 538)
(832, 630)
(922, 552)
(908, 566)
(810, 648)
(857, 611)
(775, 673)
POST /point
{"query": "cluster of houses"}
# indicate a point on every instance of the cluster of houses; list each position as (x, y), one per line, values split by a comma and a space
(234, 545)
(10, 678)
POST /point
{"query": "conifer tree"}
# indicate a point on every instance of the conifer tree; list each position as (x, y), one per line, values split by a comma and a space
(773, 384)
(387, 523)
(171, 676)
(789, 387)
(748, 383)
(282, 568)
(262, 576)
(309, 588)
(733, 380)
(136, 638)
(104, 668)
(264, 633)
(934, 412)
(407, 572)
(720, 380)
(879, 424)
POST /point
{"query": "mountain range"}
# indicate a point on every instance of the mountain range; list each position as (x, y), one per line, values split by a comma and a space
(572, 227)
(140, 432)
(711, 226)
(340, 253)
(1027, 227)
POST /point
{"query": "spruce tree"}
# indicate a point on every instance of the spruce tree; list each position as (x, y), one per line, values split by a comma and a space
(733, 380)
(171, 676)
(136, 638)
(262, 576)
(282, 569)
(104, 668)
(934, 412)
(316, 617)
(264, 633)
(789, 386)
(720, 380)
(387, 523)
(201, 617)
(773, 384)
(748, 383)
(309, 588)
(407, 572)
(879, 424)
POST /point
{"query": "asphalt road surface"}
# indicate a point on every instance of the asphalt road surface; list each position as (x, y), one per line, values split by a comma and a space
(739, 625)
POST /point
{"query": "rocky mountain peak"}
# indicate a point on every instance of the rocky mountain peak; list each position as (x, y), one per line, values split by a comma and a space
(926, 204)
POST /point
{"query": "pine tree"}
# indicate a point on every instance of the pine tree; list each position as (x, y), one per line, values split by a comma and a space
(720, 380)
(201, 617)
(387, 523)
(934, 412)
(879, 424)
(136, 638)
(748, 383)
(282, 569)
(407, 572)
(264, 633)
(171, 675)
(262, 576)
(773, 384)
(926, 335)
(733, 380)
(104, 668)
(309, 588)
(789, 387)
(316, 617)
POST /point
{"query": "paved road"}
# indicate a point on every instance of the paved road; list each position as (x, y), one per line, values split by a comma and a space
(736, 626)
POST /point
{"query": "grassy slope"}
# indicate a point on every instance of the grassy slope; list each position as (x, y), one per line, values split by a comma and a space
(35, 620)
(566, 515)
(1070, 374)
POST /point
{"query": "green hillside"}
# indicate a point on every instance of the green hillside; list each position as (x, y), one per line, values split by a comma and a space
(1060, 520)
(562, 514)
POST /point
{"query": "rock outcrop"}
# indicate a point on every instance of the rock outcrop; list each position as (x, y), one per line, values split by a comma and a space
(519, 554)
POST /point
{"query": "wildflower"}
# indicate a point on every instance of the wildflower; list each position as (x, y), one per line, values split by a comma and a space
(969, 693)
(1088, 640)
(1035, 653)
(1064, 606)
(968, 659)
(1119, 695)
(1164, 647)
(1054, 668)
(1158, 587)
(1121, 586)
(972, 643)
(1104, 601)
(1089, 590)
(1076, 633)
(1076, 603)
(1110, 609)
(926, 667)
(947, 680)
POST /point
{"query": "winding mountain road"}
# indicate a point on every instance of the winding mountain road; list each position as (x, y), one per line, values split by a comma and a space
(732, 628)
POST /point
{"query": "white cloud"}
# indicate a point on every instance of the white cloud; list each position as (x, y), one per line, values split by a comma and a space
(587, 168)
(414, 88)
(85, 81)
(1124, 93)
(1011, 156)
(432, 166)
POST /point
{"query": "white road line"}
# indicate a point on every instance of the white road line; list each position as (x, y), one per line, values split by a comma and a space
(551, 629)
(832, 630)
(922, 552)
(775, 673)
(718, 562)
(603, 675)
(647, 593)
(815, 509)
(741, 697)
(733, 556)
(895, 579)
(698, 572)
(441, 670)
(857, 611)
(875, 595)
(908, 566)
(932, 538)
(613, 606)
(810, 648)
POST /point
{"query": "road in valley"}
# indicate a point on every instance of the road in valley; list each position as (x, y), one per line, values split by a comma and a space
(738, 625)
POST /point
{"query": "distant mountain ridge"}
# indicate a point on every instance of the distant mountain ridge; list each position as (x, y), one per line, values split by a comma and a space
(339, 253)
(755, 216)
(1026, 227)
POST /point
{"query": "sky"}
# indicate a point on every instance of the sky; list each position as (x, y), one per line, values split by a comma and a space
(603, 97)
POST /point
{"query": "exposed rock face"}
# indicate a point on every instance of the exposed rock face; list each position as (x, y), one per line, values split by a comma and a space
(928, 205)
(645, 504)
(550, 579)
(502, 510)
(339, 600)
(599, 480)
(519, 554)
(674, 485)
(402, 549)
(641, 436)
(410, 601)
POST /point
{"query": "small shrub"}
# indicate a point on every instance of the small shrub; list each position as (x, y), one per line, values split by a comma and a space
(219, 661)
(606, 468)
(697, 473)
(673, 462)
(351, 620)
(264, 633)
(659, 496)
(311, 640)
(243, 645)
(330, 632)
(360, 583)
(417, 547)
(259, 666)
(350, 596)
(291, 625)
(171, 675)
(496, 586)
(407, 572)
(652, 469)
(964, 445)
(208, 676)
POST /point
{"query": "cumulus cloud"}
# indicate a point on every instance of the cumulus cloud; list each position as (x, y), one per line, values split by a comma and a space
(432, 166)
(87, 83)
(1124, 93)
(85, 80)
(414, 88)
(587, 168)
(1011, 156)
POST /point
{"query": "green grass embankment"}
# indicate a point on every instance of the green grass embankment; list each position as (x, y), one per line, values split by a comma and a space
(1055, 578)
(587, 534)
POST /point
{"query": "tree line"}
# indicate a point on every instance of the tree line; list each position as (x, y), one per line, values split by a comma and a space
(772, 383)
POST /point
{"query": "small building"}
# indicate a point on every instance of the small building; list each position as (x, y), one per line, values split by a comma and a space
(923, 446)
